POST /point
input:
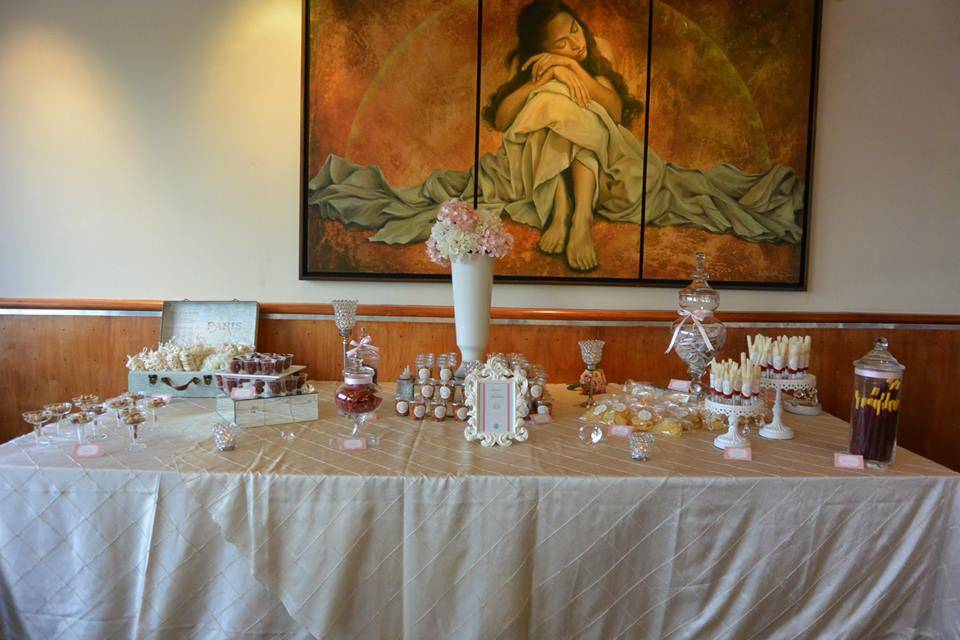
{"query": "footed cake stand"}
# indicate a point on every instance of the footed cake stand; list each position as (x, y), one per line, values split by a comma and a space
(733, 412)
(776, 430)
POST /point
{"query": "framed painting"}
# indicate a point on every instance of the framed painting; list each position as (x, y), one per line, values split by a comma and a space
(615, 138)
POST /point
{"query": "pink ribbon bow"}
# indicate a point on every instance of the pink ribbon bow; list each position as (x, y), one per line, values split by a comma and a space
(363, 345)
(696, 316)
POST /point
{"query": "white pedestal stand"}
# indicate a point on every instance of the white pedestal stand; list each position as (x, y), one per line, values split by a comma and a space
(776, 430)
(733, 438)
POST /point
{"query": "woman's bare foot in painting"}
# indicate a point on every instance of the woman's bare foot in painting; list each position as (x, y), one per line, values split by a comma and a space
(554, 237)
(581, 254)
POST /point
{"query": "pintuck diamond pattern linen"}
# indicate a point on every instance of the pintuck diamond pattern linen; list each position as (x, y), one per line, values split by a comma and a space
(429, 536)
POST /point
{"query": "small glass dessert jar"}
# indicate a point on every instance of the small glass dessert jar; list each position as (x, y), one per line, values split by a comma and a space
(403, 407)
(290, 384)
(877, 385)
(268, 365)
(236, 364)
(358, 398)
(250, 365)
(275, 387)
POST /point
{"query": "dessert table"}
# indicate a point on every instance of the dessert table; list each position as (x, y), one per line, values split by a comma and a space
(429, 536)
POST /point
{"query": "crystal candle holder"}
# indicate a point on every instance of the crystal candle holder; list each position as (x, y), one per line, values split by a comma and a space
(641, 445)
(345, 317)
(591, 351)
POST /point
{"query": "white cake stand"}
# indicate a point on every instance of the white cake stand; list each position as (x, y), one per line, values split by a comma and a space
(776, 430)
(732, 437)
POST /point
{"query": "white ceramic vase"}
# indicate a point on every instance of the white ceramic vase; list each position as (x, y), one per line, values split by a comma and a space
(472, 288)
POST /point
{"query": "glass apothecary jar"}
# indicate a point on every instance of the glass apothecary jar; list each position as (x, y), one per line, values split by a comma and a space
(358, 397)
(877, 385)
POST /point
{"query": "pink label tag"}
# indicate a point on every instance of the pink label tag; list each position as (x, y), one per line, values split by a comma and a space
(88, 450)
(679, 385)
(847, 461)
(619, 431)
(248, 393)
(541, 418)
(352, 444)
(737, 453)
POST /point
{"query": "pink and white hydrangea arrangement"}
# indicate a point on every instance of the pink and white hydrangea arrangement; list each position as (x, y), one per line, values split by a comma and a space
(462, 232)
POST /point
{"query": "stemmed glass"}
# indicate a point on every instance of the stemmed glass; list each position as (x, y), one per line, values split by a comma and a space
(133, 419)
(38, 419)
(591, 351)
(345, 316)
(59, 409)
(86, 403)
(81, 419)
(97, 410)
(153, 403)
(117, 405)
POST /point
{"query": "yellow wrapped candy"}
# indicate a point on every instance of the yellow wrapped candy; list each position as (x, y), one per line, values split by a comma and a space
(669, 427)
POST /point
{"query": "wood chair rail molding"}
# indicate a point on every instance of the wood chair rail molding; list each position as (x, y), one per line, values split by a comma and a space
(502, 313)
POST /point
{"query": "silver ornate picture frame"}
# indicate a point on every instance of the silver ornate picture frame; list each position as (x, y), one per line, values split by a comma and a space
(487, 383)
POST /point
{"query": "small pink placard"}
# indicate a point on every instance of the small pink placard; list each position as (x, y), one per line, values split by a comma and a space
(248, 393)
(679, 385)
(541, 418)
(847, 461)
(738, 453)
(352, 444)
(619, 431)
(88, 450)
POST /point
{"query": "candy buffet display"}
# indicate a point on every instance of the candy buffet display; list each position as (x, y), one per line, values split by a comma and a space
(877, 383)
(697, 335)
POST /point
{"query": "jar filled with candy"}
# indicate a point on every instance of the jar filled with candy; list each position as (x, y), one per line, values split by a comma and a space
(877, 383)
(358, 397)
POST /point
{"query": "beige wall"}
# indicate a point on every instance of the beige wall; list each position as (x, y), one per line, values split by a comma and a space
(142, 143)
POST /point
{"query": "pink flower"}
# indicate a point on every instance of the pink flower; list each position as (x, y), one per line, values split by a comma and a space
(458, 213)
(433, 252)
(495, 243)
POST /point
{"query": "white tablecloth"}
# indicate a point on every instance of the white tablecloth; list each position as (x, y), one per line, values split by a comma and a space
(431, 537)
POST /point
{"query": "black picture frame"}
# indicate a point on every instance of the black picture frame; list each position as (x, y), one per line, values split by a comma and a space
(639, 281)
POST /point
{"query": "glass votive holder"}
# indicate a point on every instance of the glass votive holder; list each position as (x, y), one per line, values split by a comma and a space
(641, 445)
(225, 436)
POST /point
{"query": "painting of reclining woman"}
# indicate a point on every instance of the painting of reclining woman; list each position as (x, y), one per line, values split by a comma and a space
(561, 157)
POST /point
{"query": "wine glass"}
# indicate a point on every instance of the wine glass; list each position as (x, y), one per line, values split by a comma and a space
(38, 419)
(59, 409)
(591, 351)
(345, 316)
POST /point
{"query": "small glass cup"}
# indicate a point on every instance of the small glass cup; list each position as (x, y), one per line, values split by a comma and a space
(275, 387)
(37, 419)
(590, 433)
(641, 445)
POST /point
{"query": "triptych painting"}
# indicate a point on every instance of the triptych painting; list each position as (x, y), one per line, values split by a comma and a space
(615, 138)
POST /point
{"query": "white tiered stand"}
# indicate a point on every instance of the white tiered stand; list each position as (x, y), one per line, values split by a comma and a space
(776, 430)
(732, 437)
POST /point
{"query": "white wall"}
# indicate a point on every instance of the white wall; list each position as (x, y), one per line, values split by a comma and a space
(142, 142)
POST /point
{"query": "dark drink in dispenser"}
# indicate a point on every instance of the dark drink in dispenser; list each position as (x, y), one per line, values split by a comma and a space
(877, 385)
